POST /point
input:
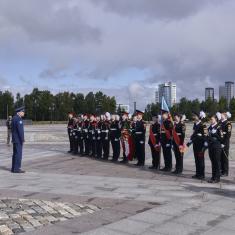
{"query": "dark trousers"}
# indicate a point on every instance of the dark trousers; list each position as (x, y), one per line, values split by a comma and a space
(116, 148)
(70, 140)
(93, 147)
(105, 146)
(87, 146)
(178, 159)
(16, 157)
(155, 156)
(75, 145)
(215, 154)
(81, 145)
(167, 155)
(140, 152)
(99, 148)
(225, 160)
(199, 162)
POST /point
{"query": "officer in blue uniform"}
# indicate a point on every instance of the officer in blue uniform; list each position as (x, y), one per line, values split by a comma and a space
(17, 140)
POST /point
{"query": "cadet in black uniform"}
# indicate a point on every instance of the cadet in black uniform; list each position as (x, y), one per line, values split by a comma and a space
(178, 142)
(80, 135)
(70, 130)
(75, 136)
(197, 139)
(92, 135)
(115, 134)
(86, 125)
(166, 140)
(105, 137)
(214, 141)
(226, 127)
(125, 134)
(154, 143)
(140, 139)
(98, 137)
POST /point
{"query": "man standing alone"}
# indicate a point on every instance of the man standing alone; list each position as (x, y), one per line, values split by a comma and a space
(8, 124)
(17, 140)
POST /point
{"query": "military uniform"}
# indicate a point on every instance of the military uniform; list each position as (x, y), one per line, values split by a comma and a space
(140, 142)
(178, 142)
(98, 140)
(105, 137)
(197, 139)
(92, 138)
(125, 134)
(166, 143)
(75, 137)
(80, 137)
(17, 140)
(70, 133)
(115, 134)
(85, 131)
(8, 124)
(214, 139)
(226, 127)
(155, 130)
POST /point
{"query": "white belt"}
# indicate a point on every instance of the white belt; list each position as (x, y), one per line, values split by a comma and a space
(199, 134)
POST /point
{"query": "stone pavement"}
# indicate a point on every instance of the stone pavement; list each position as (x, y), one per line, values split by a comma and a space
(106, 198)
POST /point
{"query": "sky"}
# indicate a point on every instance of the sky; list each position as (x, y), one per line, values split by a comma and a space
(124, 48)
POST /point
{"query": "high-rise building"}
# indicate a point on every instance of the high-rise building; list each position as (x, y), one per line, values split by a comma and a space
(209, 93)
(168, 91)
(222, 92)
(229, 91)
(156, 96)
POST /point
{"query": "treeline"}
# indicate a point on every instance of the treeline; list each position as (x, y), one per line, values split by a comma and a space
(44, 106)
(186, 107)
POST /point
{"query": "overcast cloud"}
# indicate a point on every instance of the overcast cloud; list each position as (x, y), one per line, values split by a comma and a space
(125, 47)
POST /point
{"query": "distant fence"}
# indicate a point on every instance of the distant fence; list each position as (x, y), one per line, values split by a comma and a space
(26, 122)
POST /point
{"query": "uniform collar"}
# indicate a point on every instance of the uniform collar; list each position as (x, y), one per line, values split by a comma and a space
(214, 125)
(224, 120)
(198, 122)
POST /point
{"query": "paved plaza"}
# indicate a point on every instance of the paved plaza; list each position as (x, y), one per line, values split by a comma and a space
(66, 194)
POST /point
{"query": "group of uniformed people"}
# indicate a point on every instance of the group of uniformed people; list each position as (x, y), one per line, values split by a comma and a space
(92, 135)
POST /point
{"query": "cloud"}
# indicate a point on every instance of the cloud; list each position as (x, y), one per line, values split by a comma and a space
(158, 9)
(48, 21)
(75, 42)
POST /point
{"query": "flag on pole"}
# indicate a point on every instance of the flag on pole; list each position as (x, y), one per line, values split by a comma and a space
(164, 105)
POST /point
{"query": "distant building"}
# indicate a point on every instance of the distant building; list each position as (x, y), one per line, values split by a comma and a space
(123, 107)
(209, 93)
(229, 91)
(222, 92)
(157, 97)
(168, 91)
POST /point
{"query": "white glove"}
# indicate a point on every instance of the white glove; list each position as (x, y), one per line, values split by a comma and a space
(168, 145)
(205, 144)
(222, 146)
(213, 131)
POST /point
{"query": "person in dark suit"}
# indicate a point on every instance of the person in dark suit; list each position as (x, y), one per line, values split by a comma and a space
(178, 134)
(17, 140)
(154, 142)
(140, 130)
(197, 139)
(214, 141)
(166, 140)
(226, 127)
